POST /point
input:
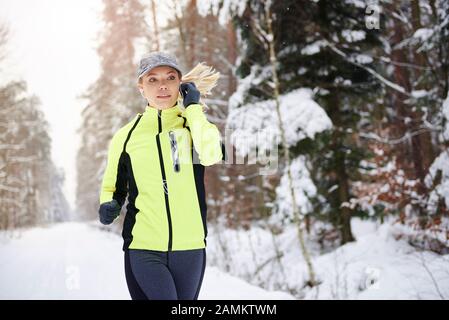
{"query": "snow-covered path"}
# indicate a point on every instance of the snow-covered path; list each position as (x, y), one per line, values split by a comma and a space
(78, 261)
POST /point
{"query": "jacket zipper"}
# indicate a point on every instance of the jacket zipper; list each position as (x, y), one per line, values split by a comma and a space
(174, 151)
(164, 179)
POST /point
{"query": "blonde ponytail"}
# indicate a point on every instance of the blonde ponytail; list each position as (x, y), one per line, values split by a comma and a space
(205, 79)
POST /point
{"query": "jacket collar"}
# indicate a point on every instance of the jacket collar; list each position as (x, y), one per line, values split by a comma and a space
(171, 112)
(165, 119)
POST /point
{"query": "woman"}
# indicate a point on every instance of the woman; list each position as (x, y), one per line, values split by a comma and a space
(158, 160)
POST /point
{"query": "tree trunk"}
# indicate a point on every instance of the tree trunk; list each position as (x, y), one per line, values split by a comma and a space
(232, 56)
(344, 221)
(155, 27)
(191, 27)
(401, 76)
(425, 138)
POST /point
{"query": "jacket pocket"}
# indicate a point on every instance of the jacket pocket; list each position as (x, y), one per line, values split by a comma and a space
(174, 151)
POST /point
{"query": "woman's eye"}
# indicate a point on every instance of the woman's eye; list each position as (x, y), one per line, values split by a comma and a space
(151, 79)
(171, 78)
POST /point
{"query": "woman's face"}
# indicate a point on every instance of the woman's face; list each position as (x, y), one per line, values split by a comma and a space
(161, 87)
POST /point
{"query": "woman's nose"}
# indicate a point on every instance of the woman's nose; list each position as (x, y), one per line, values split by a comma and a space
(163, 86)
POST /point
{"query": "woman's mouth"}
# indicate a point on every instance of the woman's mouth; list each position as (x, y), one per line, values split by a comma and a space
(164, 96)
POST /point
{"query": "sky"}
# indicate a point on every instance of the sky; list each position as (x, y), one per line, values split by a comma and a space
(52, 47)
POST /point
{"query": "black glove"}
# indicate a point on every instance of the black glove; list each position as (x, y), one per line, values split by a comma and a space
(189, 93)
(109, 211)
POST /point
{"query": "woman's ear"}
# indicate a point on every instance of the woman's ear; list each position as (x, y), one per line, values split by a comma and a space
(141, 92)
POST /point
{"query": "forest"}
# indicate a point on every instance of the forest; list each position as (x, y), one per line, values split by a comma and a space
(334, 113)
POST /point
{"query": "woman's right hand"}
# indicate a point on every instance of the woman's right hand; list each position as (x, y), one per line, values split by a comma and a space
(109, 211)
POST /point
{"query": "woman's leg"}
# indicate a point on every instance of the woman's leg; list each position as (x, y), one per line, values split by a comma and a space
(133, 287)
(150, 271)
(187, 268)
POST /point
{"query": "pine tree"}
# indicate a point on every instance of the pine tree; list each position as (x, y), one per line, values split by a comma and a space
(323, 52)
(30, 187)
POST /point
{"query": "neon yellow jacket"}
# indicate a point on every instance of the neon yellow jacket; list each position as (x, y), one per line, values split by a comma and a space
(158, 160)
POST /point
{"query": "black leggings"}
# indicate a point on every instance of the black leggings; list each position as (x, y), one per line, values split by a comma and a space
(157, 275)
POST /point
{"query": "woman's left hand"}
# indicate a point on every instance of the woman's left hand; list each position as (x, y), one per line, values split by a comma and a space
(189, 93)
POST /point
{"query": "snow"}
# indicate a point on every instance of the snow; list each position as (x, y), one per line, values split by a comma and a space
(379, 267)
(423, 34)
(376, 266)
(361, 58)
(79, 261)
(314, 47)
(353, 35)
(419, 93)
(440, 190)
(218, 285)
(445, 111)
(287, 50)
(256, 76)
(356, 3)
(256, 124)
(224, 9)
(304, 188)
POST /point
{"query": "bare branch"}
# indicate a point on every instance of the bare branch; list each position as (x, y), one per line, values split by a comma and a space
(387, 82)
(394, 141)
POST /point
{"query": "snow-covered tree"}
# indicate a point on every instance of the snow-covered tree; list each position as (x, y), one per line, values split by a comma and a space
(113, 99)
(311, 57)
(30, 186)
(437, 180)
